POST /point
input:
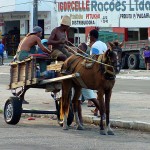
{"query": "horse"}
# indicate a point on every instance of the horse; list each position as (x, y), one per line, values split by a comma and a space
(100, 77)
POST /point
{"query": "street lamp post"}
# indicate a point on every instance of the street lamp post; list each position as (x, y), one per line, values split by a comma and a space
(35, 13)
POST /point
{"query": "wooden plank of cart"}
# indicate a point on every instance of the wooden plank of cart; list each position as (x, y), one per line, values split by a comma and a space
(23, 76)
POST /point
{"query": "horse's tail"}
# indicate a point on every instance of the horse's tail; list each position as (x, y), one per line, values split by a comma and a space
(65, 101)
(63, 110)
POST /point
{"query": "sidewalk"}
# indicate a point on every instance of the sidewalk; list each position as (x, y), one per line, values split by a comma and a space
(8, 60)
(127, 110)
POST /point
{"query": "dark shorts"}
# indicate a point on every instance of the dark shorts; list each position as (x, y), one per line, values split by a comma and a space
(60, 52)
(147, 59)
(1, 54)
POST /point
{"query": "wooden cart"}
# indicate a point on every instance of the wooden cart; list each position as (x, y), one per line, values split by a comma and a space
(23, 76)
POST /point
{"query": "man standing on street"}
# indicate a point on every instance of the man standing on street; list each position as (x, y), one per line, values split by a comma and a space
(97, 47)
(1, 52)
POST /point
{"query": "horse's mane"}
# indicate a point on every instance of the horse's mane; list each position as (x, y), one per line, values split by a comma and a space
(116, 43)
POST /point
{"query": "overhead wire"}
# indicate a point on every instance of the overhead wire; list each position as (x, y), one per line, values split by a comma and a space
(15, 4)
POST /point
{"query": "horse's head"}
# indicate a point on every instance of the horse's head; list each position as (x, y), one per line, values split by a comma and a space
(113, 54)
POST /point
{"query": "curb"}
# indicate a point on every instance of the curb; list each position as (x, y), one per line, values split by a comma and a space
(134, 125)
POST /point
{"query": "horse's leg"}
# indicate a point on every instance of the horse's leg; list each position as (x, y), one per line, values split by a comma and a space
(66, 88)
(75, 102)
(107, 106)
(80, 112)
(102, 111)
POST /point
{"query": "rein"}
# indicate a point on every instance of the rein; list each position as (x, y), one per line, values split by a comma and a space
(100, 59)
(89, 58)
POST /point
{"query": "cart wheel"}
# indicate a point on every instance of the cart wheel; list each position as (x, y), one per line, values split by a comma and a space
(12, 110)
(70, 115)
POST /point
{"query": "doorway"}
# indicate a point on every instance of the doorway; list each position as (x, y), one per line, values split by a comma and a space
(143, 33)
(41, 24)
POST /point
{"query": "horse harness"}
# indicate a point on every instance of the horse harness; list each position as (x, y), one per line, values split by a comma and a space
(70, 69)
(109, 72)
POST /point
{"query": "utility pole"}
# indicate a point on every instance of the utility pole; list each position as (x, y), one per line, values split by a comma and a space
(35, 13)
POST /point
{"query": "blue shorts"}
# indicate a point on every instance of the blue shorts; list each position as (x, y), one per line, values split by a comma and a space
(87, 94)
(1, 54)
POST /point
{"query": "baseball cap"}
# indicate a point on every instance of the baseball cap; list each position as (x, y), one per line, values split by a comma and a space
(44, 41)
(37, 29)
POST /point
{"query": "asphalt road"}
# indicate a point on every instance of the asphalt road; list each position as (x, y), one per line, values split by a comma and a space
(126, 85)
(120, 85)
(135, 86)
(45, 134)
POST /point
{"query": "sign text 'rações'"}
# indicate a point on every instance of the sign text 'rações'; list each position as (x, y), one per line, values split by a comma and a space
(114, 5)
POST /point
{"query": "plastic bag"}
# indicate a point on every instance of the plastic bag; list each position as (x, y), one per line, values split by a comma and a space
(5, 54)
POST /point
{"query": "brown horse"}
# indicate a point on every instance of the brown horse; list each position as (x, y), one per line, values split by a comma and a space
(100, 77)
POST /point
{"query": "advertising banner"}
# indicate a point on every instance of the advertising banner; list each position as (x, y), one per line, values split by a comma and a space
(105, 13)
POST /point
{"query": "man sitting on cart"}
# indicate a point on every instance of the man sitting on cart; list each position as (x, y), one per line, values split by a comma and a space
(58, 39)
(27, 47)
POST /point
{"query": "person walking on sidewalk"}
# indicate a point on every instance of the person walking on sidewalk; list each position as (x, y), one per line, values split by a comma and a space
(2, 51)
(58, 39)
(146, 54)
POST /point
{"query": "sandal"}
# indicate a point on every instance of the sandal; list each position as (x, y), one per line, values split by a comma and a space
(25, 102)
(95, 113)
(90, 105)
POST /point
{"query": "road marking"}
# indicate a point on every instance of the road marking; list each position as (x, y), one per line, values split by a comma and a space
(2, 73)
(128, 92)
(118, 77)
(133, 77)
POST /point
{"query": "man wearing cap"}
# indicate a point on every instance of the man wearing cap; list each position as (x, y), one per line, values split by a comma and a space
(27, 46)
(58, 39)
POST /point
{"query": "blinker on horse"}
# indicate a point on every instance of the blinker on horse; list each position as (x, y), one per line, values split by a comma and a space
(100, 77)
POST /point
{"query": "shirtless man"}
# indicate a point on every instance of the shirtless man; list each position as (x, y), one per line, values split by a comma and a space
(58, 39)
(27, 46)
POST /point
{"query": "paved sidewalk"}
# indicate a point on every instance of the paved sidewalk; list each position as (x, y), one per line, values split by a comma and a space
(128, 110)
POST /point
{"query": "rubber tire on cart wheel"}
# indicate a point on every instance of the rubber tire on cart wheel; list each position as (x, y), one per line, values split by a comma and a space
(70, 115)
(133, 61)
(12, 110)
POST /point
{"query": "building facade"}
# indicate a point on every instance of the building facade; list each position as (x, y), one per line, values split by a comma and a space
(129, 17)
(16, 20)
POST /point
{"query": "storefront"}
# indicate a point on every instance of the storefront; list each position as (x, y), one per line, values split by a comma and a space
(17, 25)
(129, 17)
(16, 20)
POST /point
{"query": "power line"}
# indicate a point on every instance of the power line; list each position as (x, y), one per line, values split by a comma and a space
(26, 3)
(46, 1)
(49, 1)
(82, 3)
(15, 4)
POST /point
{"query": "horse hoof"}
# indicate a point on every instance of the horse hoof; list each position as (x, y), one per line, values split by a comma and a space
(102, 132)
(110, 133)
(79, 127)
(65, 127)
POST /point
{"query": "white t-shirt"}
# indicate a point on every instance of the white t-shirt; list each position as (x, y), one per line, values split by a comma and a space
(98, 48)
